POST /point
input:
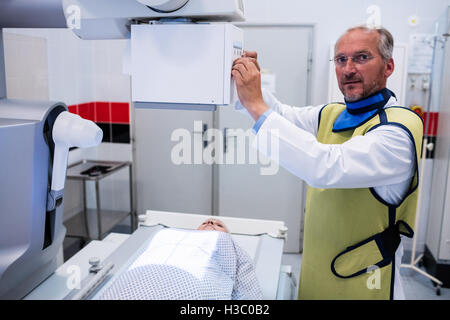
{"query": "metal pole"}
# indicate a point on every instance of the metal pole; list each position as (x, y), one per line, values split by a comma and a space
(132, 207)
(2, 68)
(86, 220)
(99, 218)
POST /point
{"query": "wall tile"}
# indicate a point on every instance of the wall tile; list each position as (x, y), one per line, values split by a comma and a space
(101, 57)
(106, 128)
(92, 113)
(102, 112)
(119, 88)
(120, 112)
(73, 109)
(39, 57)
(84, 110)
(14, 88)
(115, 53)
(26, 66)
(120, 133)
(101, 85)
(432, 122)
(85, 88)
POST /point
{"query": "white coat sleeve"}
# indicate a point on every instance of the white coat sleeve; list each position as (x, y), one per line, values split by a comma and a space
(384, 156)
(306, 118)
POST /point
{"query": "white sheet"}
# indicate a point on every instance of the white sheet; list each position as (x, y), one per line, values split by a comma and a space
(188, 264)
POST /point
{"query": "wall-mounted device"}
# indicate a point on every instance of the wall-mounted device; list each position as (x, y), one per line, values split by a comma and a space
(181, 50)
(111, 19)
(184, 66)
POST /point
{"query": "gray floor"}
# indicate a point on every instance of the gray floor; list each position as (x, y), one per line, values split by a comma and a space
(415, 285)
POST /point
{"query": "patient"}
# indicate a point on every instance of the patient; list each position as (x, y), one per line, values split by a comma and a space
(213, 224)
(189, 265)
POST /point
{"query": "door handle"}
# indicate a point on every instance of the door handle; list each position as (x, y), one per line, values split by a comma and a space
(225, 140)
(203, 133)
(205, 142)
(226, 135)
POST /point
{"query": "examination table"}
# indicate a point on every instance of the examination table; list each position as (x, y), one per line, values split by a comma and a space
(100, 262)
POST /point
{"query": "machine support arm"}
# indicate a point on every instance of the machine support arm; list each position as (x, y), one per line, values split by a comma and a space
(32, 14)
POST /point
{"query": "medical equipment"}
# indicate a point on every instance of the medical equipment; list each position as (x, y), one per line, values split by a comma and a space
(179, 63)
(263, 240)
(111, 19)
(164, 5)
(34, 138)
(69, 130)
(189, 69)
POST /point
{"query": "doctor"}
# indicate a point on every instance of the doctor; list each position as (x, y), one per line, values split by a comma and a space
(360, 160)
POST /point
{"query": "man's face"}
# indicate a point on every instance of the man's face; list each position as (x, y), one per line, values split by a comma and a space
(360, 80)
(213, 224)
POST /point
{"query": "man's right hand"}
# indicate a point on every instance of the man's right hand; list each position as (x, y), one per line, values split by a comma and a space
(246, 73)
(253, 56)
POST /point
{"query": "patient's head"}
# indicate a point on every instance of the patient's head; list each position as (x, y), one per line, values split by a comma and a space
(213, 224)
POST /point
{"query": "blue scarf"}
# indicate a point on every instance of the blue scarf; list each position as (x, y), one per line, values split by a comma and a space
(358, 112)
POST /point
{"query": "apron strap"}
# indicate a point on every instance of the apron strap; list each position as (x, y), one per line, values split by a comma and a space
(378, 250)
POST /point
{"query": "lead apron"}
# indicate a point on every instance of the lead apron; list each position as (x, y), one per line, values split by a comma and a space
(349, 231)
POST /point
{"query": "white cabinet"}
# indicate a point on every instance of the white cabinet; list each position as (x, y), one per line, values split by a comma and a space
(184, 63)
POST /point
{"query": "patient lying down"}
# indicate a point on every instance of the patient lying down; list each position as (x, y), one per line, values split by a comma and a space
(189, 265)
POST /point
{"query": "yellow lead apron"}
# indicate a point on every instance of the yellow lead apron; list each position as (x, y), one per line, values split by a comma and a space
(351, 235)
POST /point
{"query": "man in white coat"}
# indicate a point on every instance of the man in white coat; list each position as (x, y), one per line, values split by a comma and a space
(360, 160)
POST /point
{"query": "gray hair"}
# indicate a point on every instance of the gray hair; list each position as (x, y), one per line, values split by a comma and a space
(385, 45)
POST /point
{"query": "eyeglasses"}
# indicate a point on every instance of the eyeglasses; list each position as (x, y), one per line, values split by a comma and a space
(360, 58)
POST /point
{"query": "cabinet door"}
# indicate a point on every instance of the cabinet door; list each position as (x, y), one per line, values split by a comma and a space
(241, 189)
(162, 184)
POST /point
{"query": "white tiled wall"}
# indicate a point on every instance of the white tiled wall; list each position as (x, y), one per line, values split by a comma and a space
(78, 70)
(109, 82)
(26, 67)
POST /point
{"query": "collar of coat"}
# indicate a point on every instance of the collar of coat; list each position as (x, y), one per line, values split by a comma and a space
(358, 112)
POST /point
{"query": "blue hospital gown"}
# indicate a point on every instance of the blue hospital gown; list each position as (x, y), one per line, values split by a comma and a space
(188, 265)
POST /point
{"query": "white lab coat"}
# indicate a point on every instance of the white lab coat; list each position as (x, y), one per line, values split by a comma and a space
(383, 158)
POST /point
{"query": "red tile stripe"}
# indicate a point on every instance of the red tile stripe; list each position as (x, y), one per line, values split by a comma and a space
(432, 124)
(103, 111)
(120, 112)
